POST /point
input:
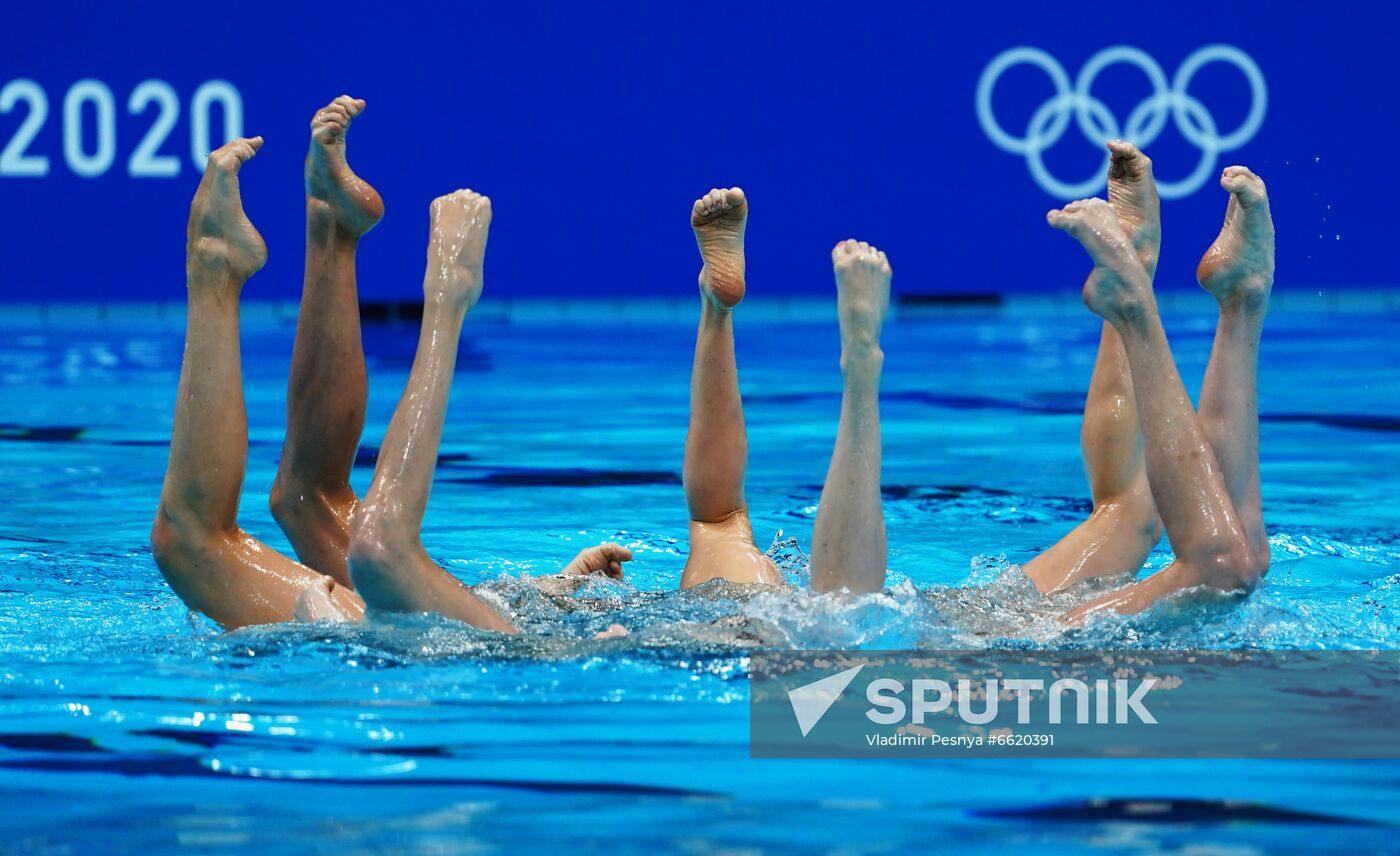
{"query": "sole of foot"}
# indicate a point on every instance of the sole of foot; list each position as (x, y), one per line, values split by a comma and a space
(1238, 269)
(862, 293)
(222, 242)
(347, 199)
(1118, 289)
(719, 218)
(1133, 193)
(461, 222)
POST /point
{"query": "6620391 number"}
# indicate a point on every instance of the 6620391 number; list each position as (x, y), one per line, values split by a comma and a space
(90, 103)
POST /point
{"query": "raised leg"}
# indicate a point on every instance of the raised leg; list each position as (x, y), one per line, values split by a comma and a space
(326, 393)
(216, 567)
(716, 447)
(848, 540)
(1123, 527)
(391, 569)
(1238, 270)
(1187, 485)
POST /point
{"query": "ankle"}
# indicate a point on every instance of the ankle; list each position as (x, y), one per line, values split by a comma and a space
(213, 278)
(1133, 314)
(1250, 300)
(324, 226)
(712, 312)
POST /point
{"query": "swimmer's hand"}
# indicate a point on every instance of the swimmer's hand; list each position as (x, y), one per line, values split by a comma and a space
(614, 631)
(606, 558)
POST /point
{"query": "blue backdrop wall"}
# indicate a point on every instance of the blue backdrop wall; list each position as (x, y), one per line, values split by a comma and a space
(593, 126)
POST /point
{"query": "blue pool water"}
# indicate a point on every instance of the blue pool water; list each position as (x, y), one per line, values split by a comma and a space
(126, 724)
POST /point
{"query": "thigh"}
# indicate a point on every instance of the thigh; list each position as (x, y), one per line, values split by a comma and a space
(726, 550)
(237, 580)
(1108, 544)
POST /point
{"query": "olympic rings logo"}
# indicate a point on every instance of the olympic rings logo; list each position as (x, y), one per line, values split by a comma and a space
(1145, 123)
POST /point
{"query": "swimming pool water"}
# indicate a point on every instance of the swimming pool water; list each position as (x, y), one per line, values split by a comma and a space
(126, 724)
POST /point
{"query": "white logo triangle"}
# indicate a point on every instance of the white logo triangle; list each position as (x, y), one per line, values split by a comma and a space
(810, 702)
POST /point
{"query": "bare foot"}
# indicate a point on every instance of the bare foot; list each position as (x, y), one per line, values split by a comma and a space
(1118, 288)
(220, 240)
(718, 219)
(1239, 267)
(1133, 194)
(605, 559)
(457, 247)
(614, 631)
(331, 186)
(863, 294)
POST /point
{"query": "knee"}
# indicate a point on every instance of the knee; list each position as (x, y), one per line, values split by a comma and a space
(176, 543)
(289, 506)
(376, 545)
(278, 503)
(1237, 566)
(166, 540)
(310, 516)
(1256, 565)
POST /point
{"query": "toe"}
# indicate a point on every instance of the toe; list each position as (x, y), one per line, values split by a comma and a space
(1121, 151)
(1243, 173)
(1244, 184)
(1129, 157)
(231, 156)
